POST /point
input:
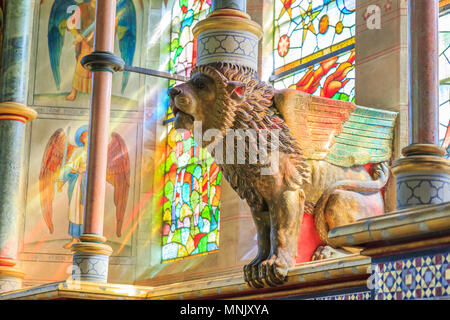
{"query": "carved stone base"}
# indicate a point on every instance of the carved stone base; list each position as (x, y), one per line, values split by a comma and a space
(423, 176)
(90, 261)
(10, 279)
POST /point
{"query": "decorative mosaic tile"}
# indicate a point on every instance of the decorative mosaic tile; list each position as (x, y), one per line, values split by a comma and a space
(422, 277)
(366, 295)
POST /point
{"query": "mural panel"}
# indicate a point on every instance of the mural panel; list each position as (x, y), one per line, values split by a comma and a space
(57, 180)
(65, 36)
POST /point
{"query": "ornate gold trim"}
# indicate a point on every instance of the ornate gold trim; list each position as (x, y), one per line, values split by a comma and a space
(421, 163)
(228, 19)
(17, 109)
(11, 272)
(307, 290)
(7, 262)
(305, 276)
(406, 246)
(410, 222)
(423, 149)
(92, 248)
(91, 237)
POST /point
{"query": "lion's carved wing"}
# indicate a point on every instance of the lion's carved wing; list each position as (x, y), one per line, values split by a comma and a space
(336, 131)
(314, 121)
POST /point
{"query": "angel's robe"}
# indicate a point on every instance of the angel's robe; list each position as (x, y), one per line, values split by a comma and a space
(84, 18)
(75, 175)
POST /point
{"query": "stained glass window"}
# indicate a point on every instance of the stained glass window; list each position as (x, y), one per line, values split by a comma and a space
(190, 201)
(444, 70)
(185, 15)
(314, 47)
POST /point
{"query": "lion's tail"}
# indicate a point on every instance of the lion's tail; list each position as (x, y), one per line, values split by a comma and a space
(380, 176)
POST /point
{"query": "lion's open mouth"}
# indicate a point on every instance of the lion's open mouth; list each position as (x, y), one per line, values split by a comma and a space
(178, 111)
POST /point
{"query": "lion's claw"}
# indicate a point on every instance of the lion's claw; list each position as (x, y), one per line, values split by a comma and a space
(251, 276)
(273, 271)
(269, 272)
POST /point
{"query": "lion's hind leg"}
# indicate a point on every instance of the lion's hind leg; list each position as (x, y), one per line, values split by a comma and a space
(345, 207)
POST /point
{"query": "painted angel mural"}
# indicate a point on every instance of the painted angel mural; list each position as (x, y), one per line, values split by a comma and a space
(64, 163)
(77, 17)
(2, 23)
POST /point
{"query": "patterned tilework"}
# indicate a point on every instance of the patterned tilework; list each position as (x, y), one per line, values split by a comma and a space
(422, 277)
(366, 295)
(90, 267)
(9, 284)
(422, 189)
(232, 46)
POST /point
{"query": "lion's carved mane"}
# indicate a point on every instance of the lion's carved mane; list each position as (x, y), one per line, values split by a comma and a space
(256, 111)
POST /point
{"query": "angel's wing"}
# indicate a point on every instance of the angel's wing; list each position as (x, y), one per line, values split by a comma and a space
(118, 174)
(51, 162)
(126, 32)
(337, 131)
(57, 25)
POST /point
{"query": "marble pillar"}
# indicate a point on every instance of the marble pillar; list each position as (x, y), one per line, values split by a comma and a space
(424, 75)
(13, 115)
(423, 175)
(91, 255)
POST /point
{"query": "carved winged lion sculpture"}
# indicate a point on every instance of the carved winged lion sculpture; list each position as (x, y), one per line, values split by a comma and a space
(322, 146)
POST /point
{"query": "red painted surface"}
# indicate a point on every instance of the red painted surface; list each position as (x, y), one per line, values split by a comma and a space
(308, 239)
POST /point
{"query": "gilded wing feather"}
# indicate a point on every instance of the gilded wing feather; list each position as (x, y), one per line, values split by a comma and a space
(118, 174)
(366, 137)
(313, 121)
(338, 132)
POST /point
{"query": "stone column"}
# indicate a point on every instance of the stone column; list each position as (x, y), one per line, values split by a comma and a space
(13, 115)
(424, 75)
(423, 176)
(91, 255)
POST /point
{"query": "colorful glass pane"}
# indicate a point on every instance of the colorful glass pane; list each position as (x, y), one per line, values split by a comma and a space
(444, 73)
(190, 201)
(185, 15)
(314, 47)
(331, 78)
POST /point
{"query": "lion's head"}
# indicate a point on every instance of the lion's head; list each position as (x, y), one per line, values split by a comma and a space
(226, 96)
(208, 97)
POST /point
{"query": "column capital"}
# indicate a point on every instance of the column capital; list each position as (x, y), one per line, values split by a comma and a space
(11, 272)
(92, 237)
(92, 248)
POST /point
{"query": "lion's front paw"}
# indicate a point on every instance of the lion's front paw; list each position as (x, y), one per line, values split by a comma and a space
(251, 275)
(327, 252)
(274, 270)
